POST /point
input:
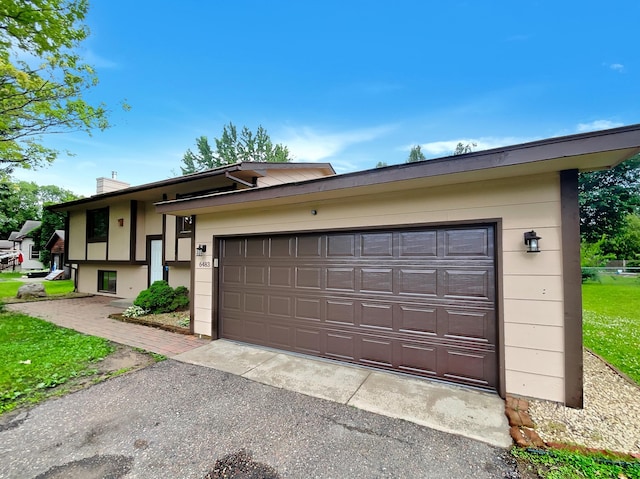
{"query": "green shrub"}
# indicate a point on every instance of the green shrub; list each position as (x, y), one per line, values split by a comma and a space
(162, 298)
(590, 274)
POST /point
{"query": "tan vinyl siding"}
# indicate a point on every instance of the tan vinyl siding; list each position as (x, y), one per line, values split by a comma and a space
(130, 279)
(119, 236)
(170, 239)
(184, 249)
(531, 282)
(277, 177)
(77, 231)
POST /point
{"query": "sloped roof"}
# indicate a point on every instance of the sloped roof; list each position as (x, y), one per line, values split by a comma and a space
(27, 228)
(14, 236)
(208, 180)
(57, 234)
(6, 244)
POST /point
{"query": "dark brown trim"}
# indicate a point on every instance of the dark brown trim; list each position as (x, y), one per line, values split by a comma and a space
(66, 241)
(133, 229)
(500, 350)
(215, 280)
(122, 262)
(165, 271)
(178, 263)
(192, 276)
(572, 286)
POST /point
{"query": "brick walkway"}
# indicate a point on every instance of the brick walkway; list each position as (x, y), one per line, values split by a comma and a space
(91, 316)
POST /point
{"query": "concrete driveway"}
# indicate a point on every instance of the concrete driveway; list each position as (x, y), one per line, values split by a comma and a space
(174, 420)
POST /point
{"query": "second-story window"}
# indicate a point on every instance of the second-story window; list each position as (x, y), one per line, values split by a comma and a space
(184, 225)
(97, 225)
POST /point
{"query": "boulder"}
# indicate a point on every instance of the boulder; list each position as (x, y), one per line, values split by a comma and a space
(31, 290)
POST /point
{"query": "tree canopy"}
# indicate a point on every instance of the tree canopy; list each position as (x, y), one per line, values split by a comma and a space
(416, 155)
(24, 200)
(607, 197)
(42, 79)
(232, 148)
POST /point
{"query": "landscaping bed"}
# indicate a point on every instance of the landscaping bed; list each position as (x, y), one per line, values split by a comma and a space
(177, 321)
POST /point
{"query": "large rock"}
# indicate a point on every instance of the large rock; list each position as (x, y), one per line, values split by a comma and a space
(31, 290)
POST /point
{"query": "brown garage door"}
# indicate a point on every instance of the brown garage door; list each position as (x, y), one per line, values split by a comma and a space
(416, 301)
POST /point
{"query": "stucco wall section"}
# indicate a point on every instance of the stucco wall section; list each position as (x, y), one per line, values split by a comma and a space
(184, 249)
(129, 282)
(141, 230)
(170, 239)
(77, 235)
(531, 304)
(179, 276)
(119, 236)
(277, 177)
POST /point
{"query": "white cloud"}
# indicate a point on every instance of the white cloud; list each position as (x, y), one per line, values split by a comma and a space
(619, 67)
(97, 61)
(447, 147)
(597, 125)
(307, 144)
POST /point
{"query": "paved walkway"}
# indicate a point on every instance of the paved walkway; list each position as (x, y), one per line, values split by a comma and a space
(91, 316)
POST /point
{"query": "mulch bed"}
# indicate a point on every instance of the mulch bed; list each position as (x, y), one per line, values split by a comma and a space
(160, 321)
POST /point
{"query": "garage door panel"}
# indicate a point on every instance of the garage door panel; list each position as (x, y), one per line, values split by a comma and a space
(417, 301)
(340, 311)
(340, 346)
(309, 246)
(308, 308)
(341, 246)
(378, 280)
(418, 243)
(379, 316)
(341, 279)
(280, 306)
(417, 359)
(467, 284)
(469, 367)
(418, 281)
(280, 276)
(376, 244)
(416, 320)
(281, 247)
(467, 242)
(376, 352)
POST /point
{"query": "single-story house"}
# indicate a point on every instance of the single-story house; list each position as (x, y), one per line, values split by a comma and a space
(24, 242)
(463, 269)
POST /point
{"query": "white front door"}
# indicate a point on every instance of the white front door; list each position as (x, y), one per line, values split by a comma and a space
(155, 265)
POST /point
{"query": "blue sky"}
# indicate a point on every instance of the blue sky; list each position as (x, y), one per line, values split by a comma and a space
(346, 82)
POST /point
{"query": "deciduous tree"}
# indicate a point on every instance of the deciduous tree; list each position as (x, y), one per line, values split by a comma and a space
(416, 155)
(232, 148)
(42, 79)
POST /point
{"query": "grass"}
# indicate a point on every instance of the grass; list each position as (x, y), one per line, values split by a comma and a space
(37, 357)
(612, 321)
(9, 287)
(556, 464)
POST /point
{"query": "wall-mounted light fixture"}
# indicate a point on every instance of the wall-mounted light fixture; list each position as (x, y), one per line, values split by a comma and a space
(532, 240)
(120, 221)
(201, 249)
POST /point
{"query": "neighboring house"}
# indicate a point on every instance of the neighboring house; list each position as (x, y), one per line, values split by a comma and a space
(55, 246)
(116, 242)
(419, 268)
(8, 256)
(23, 241)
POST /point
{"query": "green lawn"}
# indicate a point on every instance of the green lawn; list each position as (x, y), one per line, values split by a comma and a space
(612, 321)
(37, 356)
(9, 287)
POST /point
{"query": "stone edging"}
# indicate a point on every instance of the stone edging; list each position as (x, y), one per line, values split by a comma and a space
(152, 324)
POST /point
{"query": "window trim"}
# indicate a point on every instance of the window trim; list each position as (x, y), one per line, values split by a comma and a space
(91, 237)
(180, 231)
(101, 278)
(34, 252)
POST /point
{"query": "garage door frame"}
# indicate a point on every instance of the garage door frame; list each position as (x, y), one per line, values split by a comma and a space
(496, 223)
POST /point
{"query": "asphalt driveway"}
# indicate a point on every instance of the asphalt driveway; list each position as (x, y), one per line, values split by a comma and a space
(174, 420)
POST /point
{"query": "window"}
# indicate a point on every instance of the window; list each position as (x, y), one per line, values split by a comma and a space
(107, 281)
(34, 252)
(184, 224)
(97, 225)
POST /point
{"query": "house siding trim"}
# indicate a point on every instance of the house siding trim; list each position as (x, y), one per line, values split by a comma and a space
(133, 228)
(572, 287)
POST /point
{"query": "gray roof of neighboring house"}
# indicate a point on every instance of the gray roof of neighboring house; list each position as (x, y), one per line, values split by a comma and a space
(27, 228)
(14, 236)
(6, 244)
